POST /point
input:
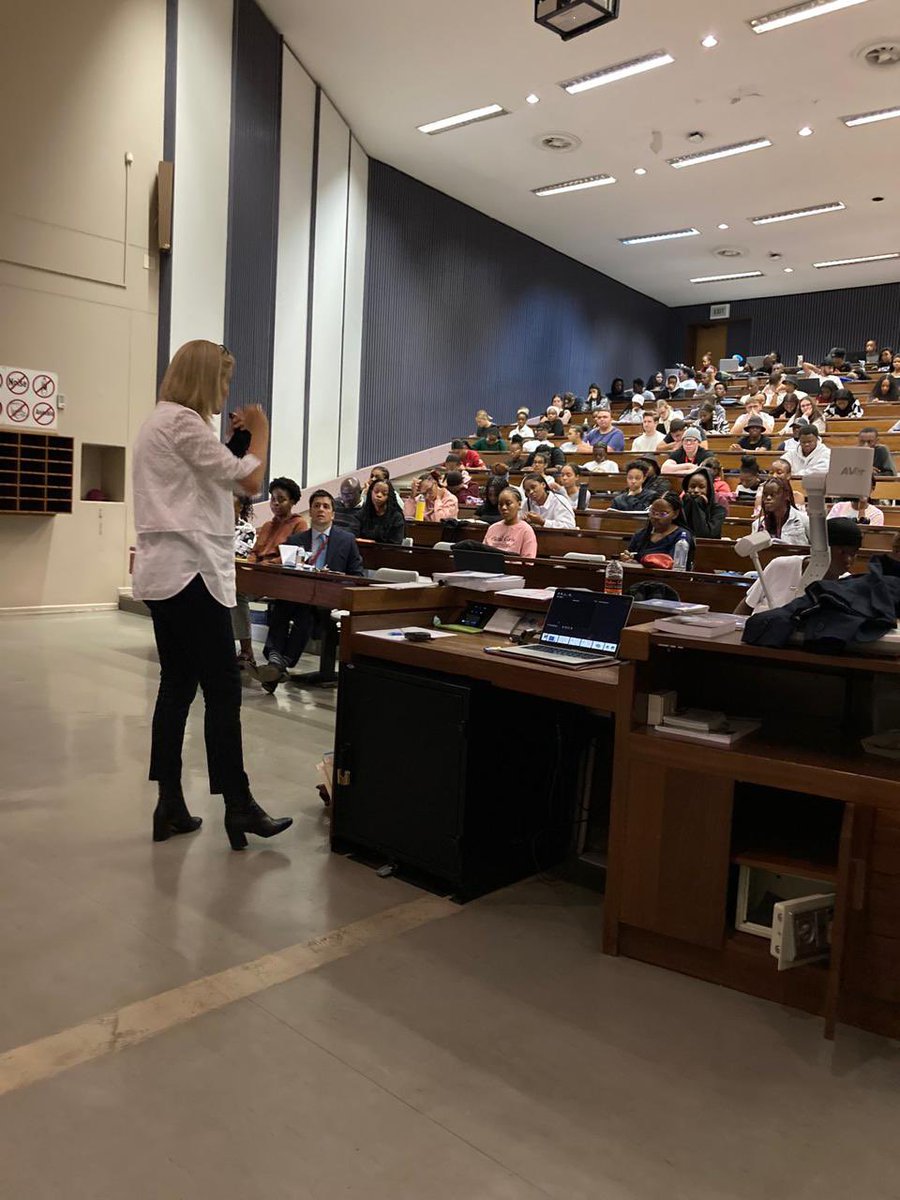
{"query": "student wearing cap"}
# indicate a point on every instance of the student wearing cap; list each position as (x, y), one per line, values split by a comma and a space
(688, 456)
(783, 574)
(752, 408)
(754, 437)
(808, 455)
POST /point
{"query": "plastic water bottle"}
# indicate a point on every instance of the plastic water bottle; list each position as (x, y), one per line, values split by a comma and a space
(680, 556)
(615, 572)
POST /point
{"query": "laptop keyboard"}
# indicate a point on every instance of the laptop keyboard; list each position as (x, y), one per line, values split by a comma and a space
(562, 651)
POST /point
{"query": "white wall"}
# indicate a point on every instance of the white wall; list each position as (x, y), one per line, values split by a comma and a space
(298, 115)
(75, 294)
(354, 279)
(202, 152)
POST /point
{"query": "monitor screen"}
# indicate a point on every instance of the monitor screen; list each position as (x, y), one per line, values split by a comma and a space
(586, 620)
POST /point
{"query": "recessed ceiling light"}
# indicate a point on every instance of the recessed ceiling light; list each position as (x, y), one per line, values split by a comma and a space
(727, 278)
(466, 118)
(574, 185)
(723, 226)
(795, 213)
(531, 98)
(806, 131)
(849, 262)
(638, 239)
(788, 270)
(691, 160)
(636, 66)
(709, 42)
(883, 114)
(640, 170)
(799, 12)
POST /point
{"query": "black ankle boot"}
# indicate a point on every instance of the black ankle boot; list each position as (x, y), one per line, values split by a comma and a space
(171, 815)
(243, 815)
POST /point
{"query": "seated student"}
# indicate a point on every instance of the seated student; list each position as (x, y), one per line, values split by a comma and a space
(754, 391)
(291, 625)
(788, 410)
(604, 432)
(672, 440)
(600, 461)
(633, 412)
(749, 484)
(708, 420)
(381, 517)
(781, 469)
(518, 459)
(483, 422)
(665, 415)
(665, 528)
(348, 504)
(639, 390)
(578, 494)
(884, 390)
(883, 463)
(650, 438)
(511, 534)
(654, 483)
(469, 459)
(671, 390)
(655, 382)
(575, 443)
(844, 405)
(783, 574)
(635, 498)
(809, 456)
(780, 517)
(688, 455)
(383, 475)
(774, 390)
(555, 427)
(552, 455)
(521, 427)
(244, 537)
(593, 398)
(752, 408)
(703, 515)
(895, 367)
(283, 495)
(544, 508)
(491, 441)
(885, 359)
(467, 493)
(719, 393)
(489, 509)
(542, 436)
(808, 413)
(723, 491)
(440, 505)
(616, 390)
(754, 437)
(827, 393)
(863, 512)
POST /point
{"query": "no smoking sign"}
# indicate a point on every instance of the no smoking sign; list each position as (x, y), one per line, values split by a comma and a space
(28, 398)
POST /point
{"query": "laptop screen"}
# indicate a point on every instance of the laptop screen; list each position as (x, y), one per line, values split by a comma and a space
(586, 620)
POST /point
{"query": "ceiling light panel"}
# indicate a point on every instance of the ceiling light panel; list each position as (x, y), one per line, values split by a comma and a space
(574, 185)
(727, 278)
(883, 114)
(466, 118)
(850, 262)
(800, 12)
(636, 66)
(640, 239)
(693, 160)
(796, 213)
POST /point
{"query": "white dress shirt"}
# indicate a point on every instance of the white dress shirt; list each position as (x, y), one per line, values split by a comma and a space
(184, 480)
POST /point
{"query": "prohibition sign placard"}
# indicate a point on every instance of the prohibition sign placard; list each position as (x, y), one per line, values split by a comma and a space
(43, 386)
(17, 410)
(44, 413)
(17, 382)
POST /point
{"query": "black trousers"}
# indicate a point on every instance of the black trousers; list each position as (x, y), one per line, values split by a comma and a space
(196, 646)
(290, 628)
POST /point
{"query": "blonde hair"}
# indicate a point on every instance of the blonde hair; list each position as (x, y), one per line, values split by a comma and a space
(196, 377)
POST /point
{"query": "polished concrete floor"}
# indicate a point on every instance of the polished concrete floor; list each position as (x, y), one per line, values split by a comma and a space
(489, 1054)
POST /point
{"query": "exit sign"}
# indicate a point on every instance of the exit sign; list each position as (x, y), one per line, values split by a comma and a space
(719, 312)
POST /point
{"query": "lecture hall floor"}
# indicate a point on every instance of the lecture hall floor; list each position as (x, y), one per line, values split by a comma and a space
(475, 1053)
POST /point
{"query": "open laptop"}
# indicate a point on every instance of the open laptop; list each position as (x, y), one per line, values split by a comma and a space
(755, 361)
(582, 629)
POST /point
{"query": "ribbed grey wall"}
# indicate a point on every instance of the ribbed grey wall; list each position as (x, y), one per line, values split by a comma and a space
(808, 324)
(462, 312)
(253, 204)
(164, 316)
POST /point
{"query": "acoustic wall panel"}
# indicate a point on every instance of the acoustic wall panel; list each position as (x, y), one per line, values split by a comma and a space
(253, 204)
(462, 312)
(298, 114)
(354, 295)
(202, 151)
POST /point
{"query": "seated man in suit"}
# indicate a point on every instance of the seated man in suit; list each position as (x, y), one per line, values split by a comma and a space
(291, 625)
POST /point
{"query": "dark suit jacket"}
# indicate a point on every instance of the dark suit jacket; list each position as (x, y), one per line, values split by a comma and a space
(342, 553)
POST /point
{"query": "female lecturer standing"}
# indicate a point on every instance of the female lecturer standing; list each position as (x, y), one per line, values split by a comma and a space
(184, 479)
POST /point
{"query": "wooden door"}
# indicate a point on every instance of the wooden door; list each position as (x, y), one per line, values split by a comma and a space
(675, 853)
(712, 338)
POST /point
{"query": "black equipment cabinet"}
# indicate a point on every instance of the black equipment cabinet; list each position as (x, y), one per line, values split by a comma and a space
(470, 785)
